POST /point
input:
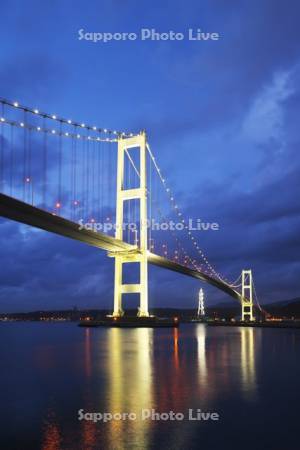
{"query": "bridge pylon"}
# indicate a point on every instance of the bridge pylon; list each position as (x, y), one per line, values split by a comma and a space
(140, 254)
(247, 296)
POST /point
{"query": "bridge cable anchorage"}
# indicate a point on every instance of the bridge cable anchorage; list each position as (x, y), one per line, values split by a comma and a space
(179, 215)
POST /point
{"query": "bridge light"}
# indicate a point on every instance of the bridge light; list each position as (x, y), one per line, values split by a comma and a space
(36, 111)
(69, 121)
(27, 179)
(78, 136)
(105, 130)
(94, 128)
(53, 131)
(2, 119)
(83, 125)
(22, 124)
(16, 104)
(39, 128)
(66, 134)
(54, 116)
(76, 202)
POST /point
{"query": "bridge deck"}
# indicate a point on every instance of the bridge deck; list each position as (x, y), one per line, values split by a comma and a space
(22, 212)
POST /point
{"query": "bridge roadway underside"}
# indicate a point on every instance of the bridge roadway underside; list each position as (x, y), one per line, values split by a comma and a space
(30, 215)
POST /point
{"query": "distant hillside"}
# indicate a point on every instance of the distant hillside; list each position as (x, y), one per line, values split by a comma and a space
(288, 308)
(285, 309)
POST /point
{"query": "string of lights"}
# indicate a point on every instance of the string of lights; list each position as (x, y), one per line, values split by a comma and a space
(53, 131)
(187, 258)
(42, 114)
(193, 262)
(183, 221)
(86, 133)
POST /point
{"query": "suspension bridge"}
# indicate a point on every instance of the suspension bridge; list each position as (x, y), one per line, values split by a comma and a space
(105, 188)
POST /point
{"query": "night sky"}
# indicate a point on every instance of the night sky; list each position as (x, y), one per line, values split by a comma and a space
(222, 117)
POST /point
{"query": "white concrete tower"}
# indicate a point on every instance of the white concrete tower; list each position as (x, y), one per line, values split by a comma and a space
(140, 254)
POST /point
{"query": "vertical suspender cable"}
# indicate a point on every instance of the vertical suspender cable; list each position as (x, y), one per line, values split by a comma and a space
(98, 182)
(44, 165)
(11, 159)
(2, 151)
(24, 159)
(60, 162)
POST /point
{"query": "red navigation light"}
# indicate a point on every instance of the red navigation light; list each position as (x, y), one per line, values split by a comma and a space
(175, 319)
(58, 205)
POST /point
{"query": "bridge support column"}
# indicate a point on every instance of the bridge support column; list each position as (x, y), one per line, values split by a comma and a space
(140, 255)
(247, 298)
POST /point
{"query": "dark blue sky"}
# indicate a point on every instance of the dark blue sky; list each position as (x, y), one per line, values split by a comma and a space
(222, 117)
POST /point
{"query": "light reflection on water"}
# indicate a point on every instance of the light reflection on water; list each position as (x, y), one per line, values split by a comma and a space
(118, 370)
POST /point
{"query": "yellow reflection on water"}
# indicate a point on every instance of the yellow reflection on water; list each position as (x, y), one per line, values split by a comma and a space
(176, 354)
(130, 384)
(201, 351)
(248, 369)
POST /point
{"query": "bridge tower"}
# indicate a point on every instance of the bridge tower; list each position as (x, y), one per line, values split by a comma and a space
(247, 298)
(139, 255)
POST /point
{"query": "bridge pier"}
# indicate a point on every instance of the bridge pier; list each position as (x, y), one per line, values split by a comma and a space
(139, 254)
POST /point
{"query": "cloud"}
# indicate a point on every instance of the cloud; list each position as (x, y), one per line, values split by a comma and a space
(265, 118)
